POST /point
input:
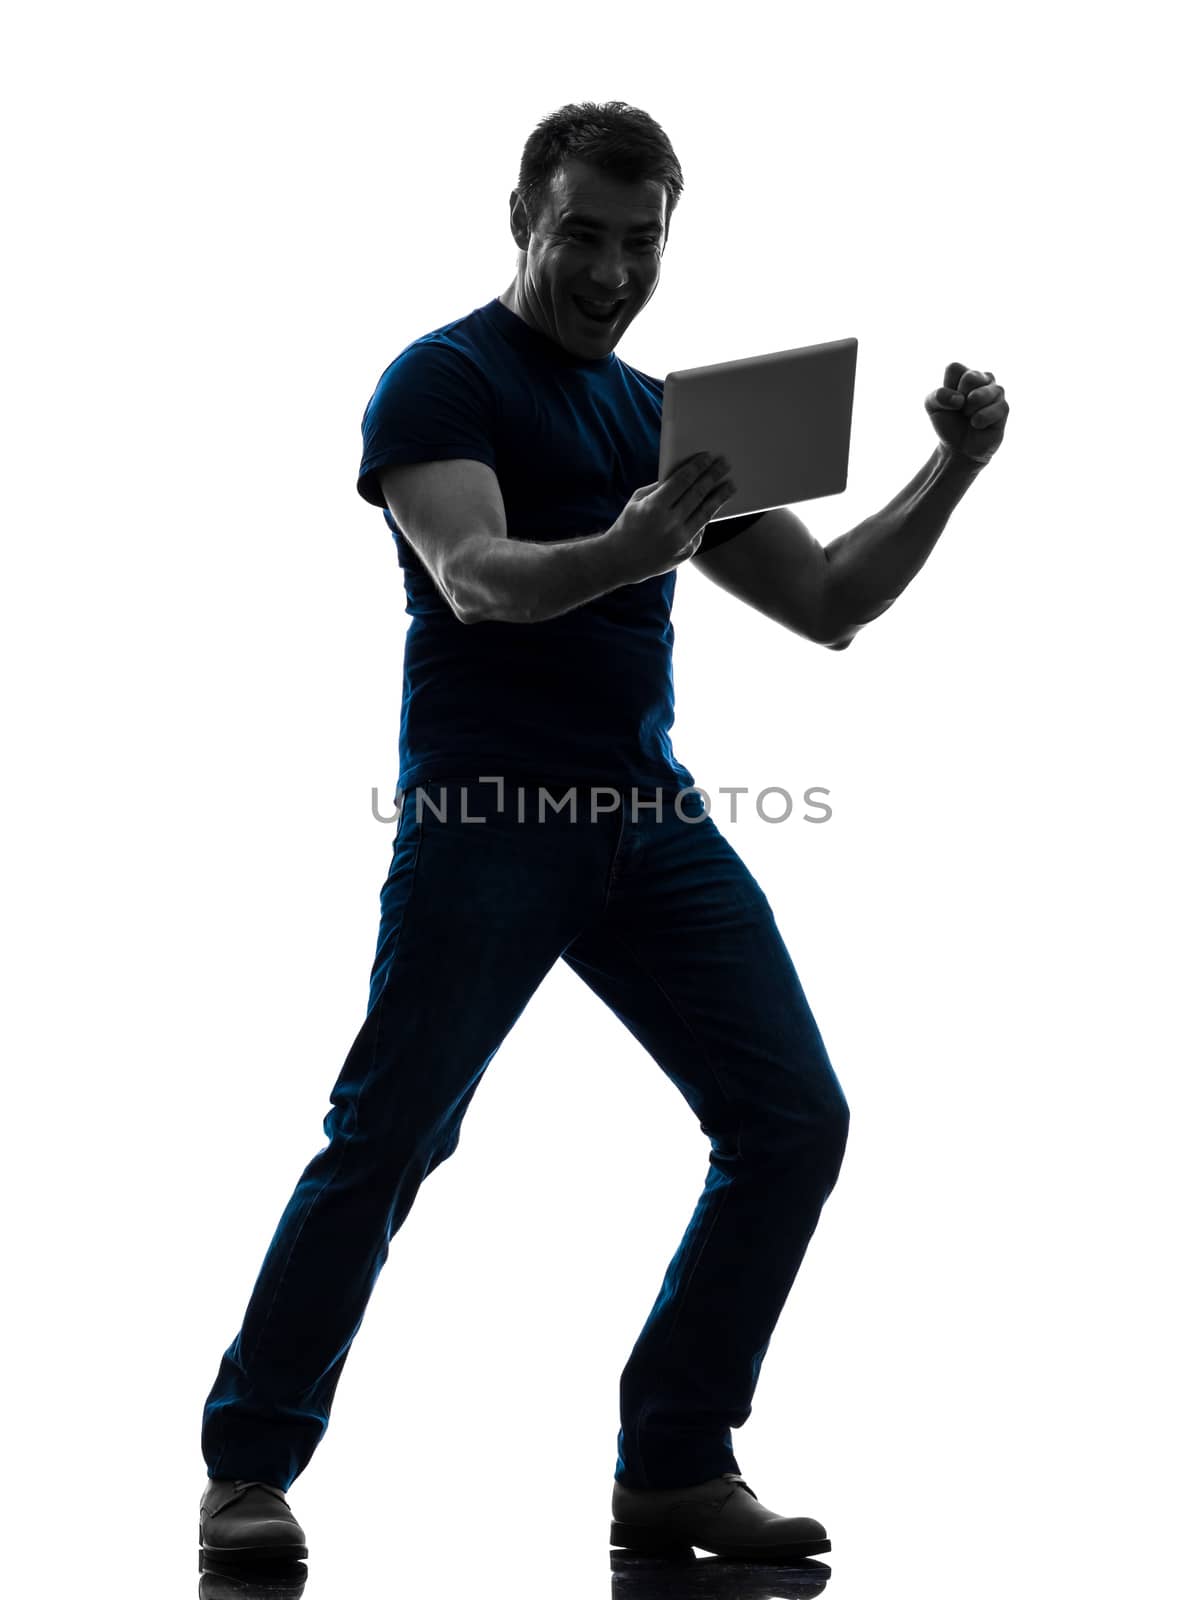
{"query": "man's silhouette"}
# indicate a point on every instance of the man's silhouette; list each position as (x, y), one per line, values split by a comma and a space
(543, 818)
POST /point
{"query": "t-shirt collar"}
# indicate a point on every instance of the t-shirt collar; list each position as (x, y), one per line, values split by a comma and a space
(536, 343)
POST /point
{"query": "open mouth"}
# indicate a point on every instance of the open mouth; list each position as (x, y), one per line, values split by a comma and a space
(601, 314)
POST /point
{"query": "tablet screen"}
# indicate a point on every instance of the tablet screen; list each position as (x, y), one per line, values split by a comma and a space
(783, 421)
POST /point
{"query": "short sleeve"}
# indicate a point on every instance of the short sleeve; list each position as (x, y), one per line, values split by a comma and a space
(431, 404)
(723, 532)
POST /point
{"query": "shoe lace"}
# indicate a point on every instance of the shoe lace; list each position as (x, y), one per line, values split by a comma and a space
(737, 1477)
(257, 1483)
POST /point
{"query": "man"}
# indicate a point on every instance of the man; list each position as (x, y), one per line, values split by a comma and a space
(513, 456)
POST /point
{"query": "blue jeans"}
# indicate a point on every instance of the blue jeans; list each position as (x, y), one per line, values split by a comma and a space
(664, 922)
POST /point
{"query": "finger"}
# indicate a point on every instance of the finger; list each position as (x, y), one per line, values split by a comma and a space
(944, 400)
(953, 374)
(990, 415)
(977, 399)
(971, 379)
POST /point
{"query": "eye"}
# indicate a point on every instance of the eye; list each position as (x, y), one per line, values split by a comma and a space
(584, 237)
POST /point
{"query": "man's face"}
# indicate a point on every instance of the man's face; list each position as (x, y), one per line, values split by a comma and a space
(597, 238)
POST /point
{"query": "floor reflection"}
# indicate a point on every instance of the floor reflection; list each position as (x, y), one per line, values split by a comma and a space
(271, 1580)
(632, 1578)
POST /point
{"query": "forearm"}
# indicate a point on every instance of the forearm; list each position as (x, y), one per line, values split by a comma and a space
(871, 565)
(516, 580)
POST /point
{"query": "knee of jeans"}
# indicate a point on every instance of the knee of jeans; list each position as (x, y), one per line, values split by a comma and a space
(836, 1123)
(817, 1131)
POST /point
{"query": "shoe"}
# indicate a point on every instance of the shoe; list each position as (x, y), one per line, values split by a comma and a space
(723, 1516)
(241, 1520)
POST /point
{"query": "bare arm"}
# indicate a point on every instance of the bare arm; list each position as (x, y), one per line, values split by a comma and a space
(660, 526)
(510, 580)
(452, 514)
(868, 567)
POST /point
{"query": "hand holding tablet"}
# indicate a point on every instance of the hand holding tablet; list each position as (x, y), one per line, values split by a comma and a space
(663, 523)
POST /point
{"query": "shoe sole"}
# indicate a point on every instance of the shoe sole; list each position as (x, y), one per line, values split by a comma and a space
(250, 1552)
(650, 1541)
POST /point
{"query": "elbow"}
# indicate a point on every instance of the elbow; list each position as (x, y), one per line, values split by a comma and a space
(833, 631)
(839, 638)
(470, 601)
(465, 606)
(836, 636)
(481, 613)
(460, 593)
(452, 597)
(484, 613)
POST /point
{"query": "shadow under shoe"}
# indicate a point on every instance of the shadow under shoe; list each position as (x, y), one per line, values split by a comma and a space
(243, 1520)
(722, 1515)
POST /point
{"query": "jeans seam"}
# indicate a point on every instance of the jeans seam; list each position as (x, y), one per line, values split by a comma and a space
(613, 874)
(377, 1014)
(679, 1303)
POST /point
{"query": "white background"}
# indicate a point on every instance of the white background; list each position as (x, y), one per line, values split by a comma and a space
(228, 221)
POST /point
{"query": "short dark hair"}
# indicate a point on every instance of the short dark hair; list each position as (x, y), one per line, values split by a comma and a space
(622, 141)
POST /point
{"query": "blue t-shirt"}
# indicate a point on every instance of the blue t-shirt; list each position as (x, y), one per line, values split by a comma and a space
(584, 698)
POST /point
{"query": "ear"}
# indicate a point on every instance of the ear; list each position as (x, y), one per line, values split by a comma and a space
(519, 229)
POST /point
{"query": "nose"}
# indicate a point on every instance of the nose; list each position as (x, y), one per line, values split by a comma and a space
(608, 285)
(610, 276)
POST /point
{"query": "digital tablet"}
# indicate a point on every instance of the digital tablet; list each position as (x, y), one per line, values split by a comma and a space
(782, 420)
